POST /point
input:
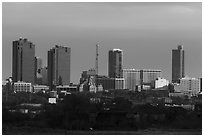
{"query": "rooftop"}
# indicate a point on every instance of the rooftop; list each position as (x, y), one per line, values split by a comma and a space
(117, 50)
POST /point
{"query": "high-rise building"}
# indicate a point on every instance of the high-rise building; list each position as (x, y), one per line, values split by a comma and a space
(38, 63)
(38, 70)
(23, 61)
(59, 66)
(178, 64)
(115, 63)
(44, 76)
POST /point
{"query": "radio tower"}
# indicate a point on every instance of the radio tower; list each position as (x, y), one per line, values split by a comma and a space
(96, 67)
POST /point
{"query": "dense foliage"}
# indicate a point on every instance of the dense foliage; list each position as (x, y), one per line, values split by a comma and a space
(77, 112)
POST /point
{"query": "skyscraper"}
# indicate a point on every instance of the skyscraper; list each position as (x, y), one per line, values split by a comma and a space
(115, 63)
(44, 76)
(38, 70)
(23, 61)
(178, 64)
(59, 66)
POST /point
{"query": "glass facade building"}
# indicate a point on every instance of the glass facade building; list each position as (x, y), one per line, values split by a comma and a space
(59, 66)
(178, 64)
(115, 63)
(23, 61)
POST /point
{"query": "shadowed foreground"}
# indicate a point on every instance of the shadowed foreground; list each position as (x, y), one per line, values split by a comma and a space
(48, 131)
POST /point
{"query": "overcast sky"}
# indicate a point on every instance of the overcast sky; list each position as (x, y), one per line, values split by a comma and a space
(146, 32)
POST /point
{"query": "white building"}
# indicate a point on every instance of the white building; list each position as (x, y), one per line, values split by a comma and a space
(160, 82)
(21, 86)
(131, 78)
(190, 86)
(92, 88)
(37, 88)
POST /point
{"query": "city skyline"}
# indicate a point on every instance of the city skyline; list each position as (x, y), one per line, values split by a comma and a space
(130, 36)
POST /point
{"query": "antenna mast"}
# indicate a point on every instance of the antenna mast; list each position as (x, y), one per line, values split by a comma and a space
(96, 67)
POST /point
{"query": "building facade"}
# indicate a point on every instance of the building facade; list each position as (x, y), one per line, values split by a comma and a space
(38, 70)
(131, 78)
(147, 76)
(22, 87)
(38, 88)
(23, 61)
(44, 76)
(119, 83)
(160, 82)
(59, 66)
(190, 86)
(178, 64)
(115, 63)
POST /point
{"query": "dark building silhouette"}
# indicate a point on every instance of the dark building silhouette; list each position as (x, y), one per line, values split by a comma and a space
(84, 77)
(44, 76)
(178, 64)
(23, 61)
(59, 66)
(115, 63)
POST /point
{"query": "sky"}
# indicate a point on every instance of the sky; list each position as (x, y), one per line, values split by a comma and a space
(146, 32)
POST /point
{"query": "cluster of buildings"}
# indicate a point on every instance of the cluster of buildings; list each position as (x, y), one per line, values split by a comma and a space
(141, 79)
(119, 78)
(183, 85)
(29, 75)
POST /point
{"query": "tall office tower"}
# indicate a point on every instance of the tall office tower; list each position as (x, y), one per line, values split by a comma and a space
(115, 63)
(177, 64)
(38, 63)
(44, 76)
(131, 78)
(59, 66)
(147, 76)
(23, 61)
(38, 70)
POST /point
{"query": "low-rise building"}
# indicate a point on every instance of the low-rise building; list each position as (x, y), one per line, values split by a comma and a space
(67, 88)
(52, 100)
(37, 88)
(190, 86)
(177, 94)
(160, 82)
(107, 83)
(21, 86)
(53, 94)
(131, 78)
